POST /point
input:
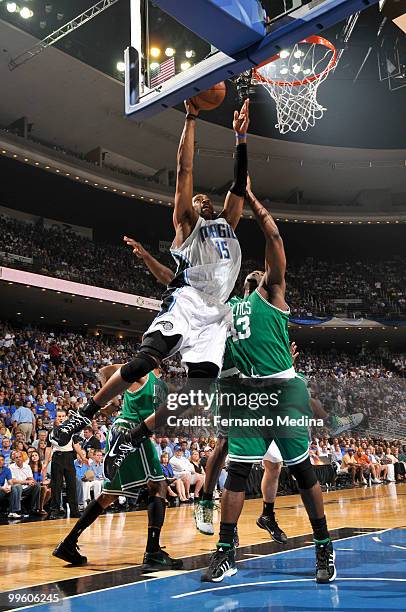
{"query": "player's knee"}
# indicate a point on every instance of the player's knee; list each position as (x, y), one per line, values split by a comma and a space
(272, 468)
(138, 367)
(304, 473)
(157, 489)
(205, 369)
(237, 476)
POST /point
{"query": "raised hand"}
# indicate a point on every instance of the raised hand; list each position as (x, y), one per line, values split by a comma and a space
(191, 107)
(137, 247)
(242, 119)
(294, 352)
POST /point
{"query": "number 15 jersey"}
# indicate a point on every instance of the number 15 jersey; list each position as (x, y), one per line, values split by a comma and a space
(209, 260)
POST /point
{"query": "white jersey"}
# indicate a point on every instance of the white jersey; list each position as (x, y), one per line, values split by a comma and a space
(209, 260)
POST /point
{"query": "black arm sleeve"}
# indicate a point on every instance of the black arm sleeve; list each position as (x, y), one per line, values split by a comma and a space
(239, 185)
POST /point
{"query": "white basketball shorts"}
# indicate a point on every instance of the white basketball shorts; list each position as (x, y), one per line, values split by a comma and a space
(273, 454)
(200, 320)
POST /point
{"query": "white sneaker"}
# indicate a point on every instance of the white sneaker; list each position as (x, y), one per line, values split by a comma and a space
(376, 481)
(14, 515)
(203, 513)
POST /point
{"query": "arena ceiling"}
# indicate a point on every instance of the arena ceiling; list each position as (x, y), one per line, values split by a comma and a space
(72, 105)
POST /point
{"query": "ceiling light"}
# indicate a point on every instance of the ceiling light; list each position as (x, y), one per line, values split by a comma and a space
(284, 71)
(296, 68)
(154, 66)
(120, 66)
(155, 52)
(170, 51)
(11, 7)
(26, 13)
(306, 71)
(190, 53)
(185, 65)
(284, 53)
(298, 54)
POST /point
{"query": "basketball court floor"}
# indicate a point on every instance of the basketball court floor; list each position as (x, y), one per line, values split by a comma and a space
(368, 527)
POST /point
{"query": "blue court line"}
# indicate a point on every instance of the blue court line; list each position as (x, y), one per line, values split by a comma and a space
(371, 576)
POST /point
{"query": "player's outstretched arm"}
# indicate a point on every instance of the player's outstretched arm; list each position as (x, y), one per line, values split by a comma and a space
(234, 201)
(273, 283)
(162, 274)
(184, 215)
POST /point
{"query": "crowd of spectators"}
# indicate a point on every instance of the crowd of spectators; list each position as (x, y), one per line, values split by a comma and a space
(315, 288)
(44, 371)
(365, 460)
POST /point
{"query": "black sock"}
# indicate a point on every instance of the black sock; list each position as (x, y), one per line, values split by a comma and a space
(268, 510)
(156, 516)
(226, 535)
(89, 409)
(90, 514)
(140, 431)
(320, 531)
(207, 496)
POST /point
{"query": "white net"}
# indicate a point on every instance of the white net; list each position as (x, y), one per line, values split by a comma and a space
(293, 79)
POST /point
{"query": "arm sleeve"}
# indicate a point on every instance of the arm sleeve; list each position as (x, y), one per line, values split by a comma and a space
(239, 185)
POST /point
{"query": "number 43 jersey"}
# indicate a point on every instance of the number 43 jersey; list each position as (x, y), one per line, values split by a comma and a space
(209, 260)
(258, 342)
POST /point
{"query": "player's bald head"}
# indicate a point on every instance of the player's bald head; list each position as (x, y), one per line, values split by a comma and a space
(203, 205)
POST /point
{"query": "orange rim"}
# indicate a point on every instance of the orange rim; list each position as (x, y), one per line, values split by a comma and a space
(316, 40)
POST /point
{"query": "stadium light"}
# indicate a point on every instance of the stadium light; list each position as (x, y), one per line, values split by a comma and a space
(154, 66)
(120, 66)
(12, 7)
(284, 71)
(185, 65)
(170, 52)
(284, 54)
(190, 53)
(155, 52)
(26, 13)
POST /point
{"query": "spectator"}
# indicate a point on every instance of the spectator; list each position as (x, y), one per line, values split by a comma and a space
(22, 478)
(351, 465)
(207, 453)
(6, 451)
(8, 492)
(368, 467)
(174, 484)
(184, 470)
(24, 421)
(90, 440)
(36, 468)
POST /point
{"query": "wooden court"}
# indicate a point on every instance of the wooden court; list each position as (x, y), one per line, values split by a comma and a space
(117, 541)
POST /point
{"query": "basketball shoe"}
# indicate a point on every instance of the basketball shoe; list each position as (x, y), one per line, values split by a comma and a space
(222, 564)
(325, 566)
(203, 513)
(160, 560)
(271, 526)
(69, 551)
(341, 424)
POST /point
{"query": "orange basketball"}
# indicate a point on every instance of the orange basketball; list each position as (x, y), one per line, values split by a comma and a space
(211, 98)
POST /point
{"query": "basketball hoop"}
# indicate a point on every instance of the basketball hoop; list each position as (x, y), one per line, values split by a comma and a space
(297, 107)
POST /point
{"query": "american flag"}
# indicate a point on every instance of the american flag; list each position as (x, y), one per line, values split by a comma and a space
(165, 71)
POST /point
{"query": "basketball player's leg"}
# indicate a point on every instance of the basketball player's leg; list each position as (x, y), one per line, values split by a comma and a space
(293, 443)
(269, 488)
(203, 511)
(68, 549)
(155, 558)
(154, 348)
(243, 450)
(222, 562)
(201, 348)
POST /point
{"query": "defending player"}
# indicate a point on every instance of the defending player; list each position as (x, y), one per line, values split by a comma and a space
(193, 317)
(142, 467)
(261, 350)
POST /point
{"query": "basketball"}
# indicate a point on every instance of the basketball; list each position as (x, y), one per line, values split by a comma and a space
(211, 98)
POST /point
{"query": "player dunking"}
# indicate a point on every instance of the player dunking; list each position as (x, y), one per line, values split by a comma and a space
(193, 318)
(142, 467)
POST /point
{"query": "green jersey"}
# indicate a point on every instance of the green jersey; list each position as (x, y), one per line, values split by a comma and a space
(258, 343)
(138, 405)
